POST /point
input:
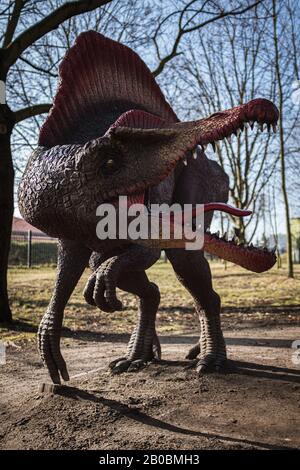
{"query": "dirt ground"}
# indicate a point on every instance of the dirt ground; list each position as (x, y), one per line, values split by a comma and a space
(255, 405)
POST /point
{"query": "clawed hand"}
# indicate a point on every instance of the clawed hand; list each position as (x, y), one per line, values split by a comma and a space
(101, 287)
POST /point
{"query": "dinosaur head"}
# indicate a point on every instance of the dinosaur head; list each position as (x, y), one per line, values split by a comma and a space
(140, 149)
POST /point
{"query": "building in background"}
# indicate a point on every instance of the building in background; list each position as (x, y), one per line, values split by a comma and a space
(21, 226)
(30, 246)
(295, 229)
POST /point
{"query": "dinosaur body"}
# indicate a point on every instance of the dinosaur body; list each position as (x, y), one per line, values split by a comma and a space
(111, 133)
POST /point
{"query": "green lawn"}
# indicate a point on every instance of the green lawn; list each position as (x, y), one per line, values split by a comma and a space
(247, 298)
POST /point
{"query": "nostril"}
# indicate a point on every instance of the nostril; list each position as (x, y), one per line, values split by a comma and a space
(218, 114)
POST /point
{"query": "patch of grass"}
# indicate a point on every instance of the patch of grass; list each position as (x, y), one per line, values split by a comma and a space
(268, 298)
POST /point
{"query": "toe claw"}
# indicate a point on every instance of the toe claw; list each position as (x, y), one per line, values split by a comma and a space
(113, 363)
(136, 365)
(121, 366)
(193, 352)
(209, 365)
(65, 375)
(201, 368)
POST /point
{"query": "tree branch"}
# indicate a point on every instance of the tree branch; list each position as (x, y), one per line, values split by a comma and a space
(31, 111)
(47, 24)
(13, 22)
(38, 68)
(183, 31)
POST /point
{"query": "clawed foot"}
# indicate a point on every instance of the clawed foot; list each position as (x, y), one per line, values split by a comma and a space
(101, 287)
(49, 348)
(138, 355)
(123, 364)
(211, 347)
(207, 362)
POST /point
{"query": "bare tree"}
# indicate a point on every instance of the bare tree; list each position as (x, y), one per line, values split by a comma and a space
(223, 68)
(29, 57)
(14, 43)
(286, 50)
(282, 142)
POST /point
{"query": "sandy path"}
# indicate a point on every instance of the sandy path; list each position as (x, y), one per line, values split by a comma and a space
(255, 405)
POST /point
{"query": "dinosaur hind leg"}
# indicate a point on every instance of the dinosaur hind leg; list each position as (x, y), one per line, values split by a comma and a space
(143, 345)
(72, 260)
(193, 271)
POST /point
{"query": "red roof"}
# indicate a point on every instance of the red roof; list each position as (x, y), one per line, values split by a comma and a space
(20, 225)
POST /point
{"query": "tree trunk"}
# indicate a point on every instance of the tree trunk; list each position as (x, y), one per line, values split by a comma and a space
(282, 146)
(239, 230)
(6, 205)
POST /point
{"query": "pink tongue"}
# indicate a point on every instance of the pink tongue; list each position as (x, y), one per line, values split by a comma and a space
(210, 206)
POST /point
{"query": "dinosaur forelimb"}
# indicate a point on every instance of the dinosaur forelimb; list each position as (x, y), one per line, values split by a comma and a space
(101, 287)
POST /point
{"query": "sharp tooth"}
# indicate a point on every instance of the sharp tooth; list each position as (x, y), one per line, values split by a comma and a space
(228, 139)
(274, 128)
(251, 123)
(225, 236)
(195, 153)
(185, 161)
(217, 234)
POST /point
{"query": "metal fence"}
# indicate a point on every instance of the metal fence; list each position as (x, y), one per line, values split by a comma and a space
(30, 248)
(33, 249)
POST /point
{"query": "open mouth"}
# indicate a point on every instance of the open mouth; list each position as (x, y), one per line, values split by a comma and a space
(168, 144)
(171, 143)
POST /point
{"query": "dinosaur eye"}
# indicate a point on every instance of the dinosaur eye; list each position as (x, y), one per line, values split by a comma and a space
(109, 167)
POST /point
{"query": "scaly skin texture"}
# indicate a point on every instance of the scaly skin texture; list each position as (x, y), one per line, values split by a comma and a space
(127, 271)
(193, 271)
(111, 133)
(72, 259)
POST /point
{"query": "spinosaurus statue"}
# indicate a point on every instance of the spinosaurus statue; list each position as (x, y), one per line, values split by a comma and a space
(111, 132)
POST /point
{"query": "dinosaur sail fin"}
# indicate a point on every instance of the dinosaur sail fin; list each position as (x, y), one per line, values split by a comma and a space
(100, 79)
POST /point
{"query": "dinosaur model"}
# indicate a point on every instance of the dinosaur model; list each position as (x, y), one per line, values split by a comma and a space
(111, 132)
